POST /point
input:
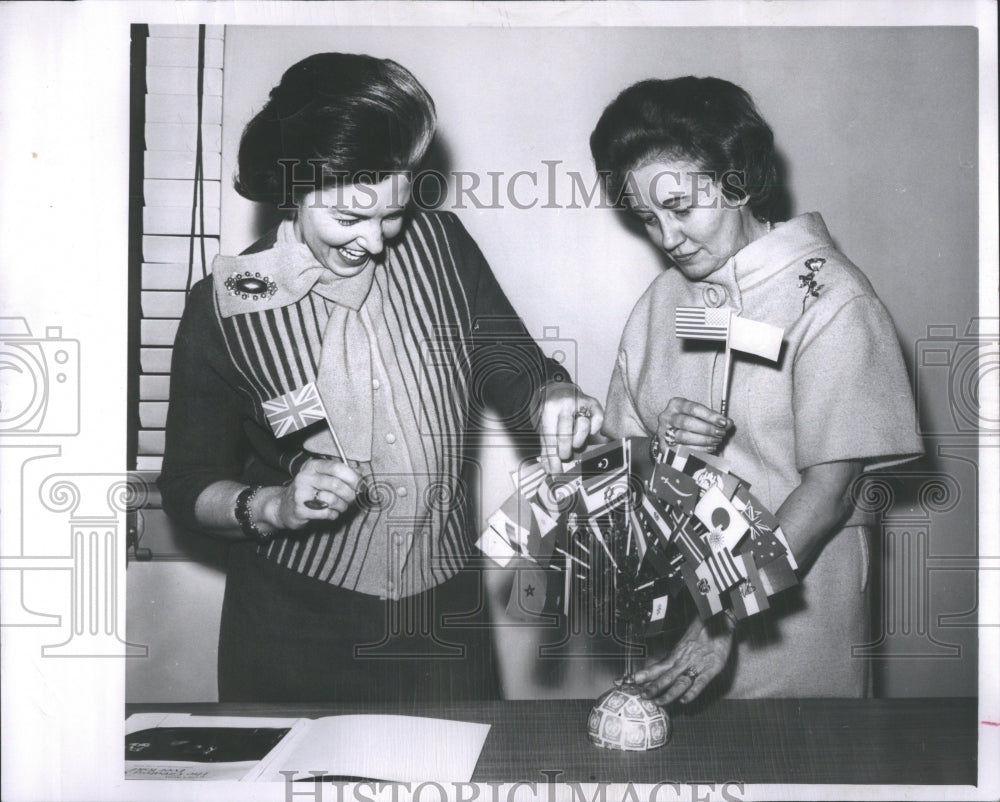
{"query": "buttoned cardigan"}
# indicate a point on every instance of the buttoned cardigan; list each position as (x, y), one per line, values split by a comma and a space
(446, 345)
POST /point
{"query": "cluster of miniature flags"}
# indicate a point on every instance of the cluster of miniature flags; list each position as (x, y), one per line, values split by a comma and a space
(631, 532)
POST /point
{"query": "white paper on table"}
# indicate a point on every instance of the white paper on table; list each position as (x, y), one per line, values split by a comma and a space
(144, 721)
(391, 748)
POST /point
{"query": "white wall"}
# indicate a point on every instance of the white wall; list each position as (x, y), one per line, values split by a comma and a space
(878, 130)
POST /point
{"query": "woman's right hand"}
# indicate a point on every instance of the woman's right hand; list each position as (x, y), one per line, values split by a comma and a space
(689, 423)
(331, 482)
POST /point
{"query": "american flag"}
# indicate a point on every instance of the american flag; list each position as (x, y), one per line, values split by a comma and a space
(702, 323)
(294, 410)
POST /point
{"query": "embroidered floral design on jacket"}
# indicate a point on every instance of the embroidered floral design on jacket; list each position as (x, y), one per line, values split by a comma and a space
(808, 280)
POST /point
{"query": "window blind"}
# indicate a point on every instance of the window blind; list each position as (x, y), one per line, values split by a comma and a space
(181, 189)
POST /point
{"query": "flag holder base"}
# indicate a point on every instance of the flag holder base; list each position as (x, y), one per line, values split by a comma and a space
(623, 719)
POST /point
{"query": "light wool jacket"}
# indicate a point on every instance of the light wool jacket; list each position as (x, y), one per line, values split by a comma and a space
(839, 391)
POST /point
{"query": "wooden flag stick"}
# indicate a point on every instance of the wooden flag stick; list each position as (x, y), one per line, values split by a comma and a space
(315, 503)
(333, 432)
(629, 664)
(727, 369)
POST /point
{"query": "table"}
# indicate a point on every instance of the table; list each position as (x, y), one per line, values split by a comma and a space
(823, 741)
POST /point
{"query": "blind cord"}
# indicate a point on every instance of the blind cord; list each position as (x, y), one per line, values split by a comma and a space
(198, 200)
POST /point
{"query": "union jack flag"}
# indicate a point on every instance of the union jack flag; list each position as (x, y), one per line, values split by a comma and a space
(294, 410)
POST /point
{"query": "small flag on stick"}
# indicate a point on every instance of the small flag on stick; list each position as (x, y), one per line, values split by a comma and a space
(537, 593)
(705, 593)
(751, 337)
(724, 569)
(657, 615)
(297, 409)
(496, 547)
(777, 575)
(702, 323)
(294, 410)
(528, 479)
(754, 337)
(726, 526)
(748, 597)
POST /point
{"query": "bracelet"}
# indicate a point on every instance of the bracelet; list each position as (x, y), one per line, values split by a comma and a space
(244, 515)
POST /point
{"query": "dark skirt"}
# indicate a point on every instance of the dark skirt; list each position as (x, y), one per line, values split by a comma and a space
(286, 637)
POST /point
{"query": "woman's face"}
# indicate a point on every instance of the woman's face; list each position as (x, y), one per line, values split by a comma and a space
(345, 227)
(686, 214)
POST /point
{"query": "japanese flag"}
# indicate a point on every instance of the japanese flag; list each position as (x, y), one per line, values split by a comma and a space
(726, 527)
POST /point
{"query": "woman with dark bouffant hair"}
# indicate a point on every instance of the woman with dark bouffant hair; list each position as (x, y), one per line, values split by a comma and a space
(321, 389)
(694, 161)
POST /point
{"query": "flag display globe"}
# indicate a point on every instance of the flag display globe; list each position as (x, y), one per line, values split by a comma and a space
(623, 719)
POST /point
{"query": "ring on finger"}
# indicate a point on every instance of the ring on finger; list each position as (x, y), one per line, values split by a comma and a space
(584, 412)
(314, 503)
(690, 673)
(670, 436)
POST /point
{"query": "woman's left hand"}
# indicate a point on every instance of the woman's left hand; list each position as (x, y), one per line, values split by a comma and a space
(569, 416)
(697, 659)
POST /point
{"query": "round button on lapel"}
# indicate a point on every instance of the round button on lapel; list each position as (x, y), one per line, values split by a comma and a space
(715, 295)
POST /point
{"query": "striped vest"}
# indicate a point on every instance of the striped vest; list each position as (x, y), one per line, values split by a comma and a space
(409, 531)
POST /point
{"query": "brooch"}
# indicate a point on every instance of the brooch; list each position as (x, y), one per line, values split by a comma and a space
(247, 285)
(808, 280)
